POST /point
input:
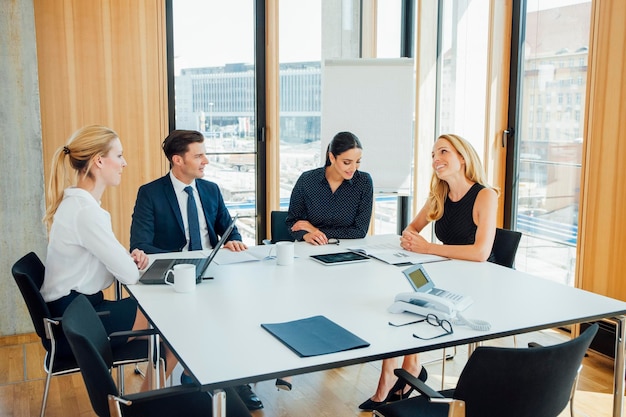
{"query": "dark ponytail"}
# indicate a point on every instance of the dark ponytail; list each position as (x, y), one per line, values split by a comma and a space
(343, 141)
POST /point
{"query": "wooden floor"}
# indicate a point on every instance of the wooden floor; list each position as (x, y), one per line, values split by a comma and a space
(330, 393)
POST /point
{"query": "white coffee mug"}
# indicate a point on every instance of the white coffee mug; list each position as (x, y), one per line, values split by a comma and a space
(184, 277)
(284, 253)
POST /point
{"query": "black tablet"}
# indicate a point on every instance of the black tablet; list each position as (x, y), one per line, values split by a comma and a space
(339, 258)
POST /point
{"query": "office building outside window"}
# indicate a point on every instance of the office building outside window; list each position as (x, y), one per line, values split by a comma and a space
(215, 94)
(555, 65)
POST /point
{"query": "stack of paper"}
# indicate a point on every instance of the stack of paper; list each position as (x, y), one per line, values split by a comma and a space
(392, 253)
(253, 253)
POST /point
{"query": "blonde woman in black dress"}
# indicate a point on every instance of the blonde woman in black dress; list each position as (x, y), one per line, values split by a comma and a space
(463, 207)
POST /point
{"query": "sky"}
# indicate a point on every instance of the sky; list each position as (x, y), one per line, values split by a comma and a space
(534, 5)
(216, 32)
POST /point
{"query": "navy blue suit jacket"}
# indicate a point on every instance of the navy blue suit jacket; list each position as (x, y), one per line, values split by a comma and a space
(157, 224)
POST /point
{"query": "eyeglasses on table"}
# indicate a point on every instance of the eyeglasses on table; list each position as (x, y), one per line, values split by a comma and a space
(433, 320)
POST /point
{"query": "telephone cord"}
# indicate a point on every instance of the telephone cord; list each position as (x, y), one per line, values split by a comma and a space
(471, 323)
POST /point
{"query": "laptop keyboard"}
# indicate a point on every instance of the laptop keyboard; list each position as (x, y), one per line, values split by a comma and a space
(194, 261)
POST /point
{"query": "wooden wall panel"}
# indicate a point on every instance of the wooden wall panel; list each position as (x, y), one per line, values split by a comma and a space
(104, 63)
(497, 97)
(602, 225)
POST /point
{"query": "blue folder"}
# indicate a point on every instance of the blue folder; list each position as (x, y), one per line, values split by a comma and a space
(314, 336)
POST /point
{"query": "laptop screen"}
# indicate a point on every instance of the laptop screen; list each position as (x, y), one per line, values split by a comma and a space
(155, 274)
(223, 239)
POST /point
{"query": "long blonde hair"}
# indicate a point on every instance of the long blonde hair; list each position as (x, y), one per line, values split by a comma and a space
(474, 172)
(80, 149)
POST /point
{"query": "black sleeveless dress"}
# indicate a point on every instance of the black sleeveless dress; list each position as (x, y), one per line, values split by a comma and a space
(456, 226)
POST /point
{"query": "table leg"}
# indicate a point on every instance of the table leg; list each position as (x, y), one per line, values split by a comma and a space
(154, 355)
(619, 367)
(471, 347)
(219, 403)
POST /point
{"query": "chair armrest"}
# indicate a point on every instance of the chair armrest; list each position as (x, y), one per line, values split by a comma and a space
(456, 407)
(158, 393)
(134, 333)
(47, 325)
(128, 400)
(57, 320)
(417, 384)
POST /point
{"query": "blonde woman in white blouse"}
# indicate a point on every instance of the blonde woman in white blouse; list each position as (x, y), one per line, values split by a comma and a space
(84, 256)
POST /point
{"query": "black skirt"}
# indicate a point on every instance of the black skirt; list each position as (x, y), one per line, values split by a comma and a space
(120, 316)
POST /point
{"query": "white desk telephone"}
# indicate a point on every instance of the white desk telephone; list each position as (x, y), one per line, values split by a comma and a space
(426, 298)
(423, 304)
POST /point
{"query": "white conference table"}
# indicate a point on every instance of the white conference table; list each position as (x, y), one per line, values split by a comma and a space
(216, 330)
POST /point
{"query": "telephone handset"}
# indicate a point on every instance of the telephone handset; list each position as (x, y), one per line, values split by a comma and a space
(423, 304)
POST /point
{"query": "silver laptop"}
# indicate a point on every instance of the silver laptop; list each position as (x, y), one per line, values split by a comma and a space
(156, 273)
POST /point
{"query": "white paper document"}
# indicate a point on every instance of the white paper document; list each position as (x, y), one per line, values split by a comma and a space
(253, 253)
(392, 253)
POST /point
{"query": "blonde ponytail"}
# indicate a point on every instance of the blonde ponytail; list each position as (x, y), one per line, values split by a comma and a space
(57, 183)
(81, 148)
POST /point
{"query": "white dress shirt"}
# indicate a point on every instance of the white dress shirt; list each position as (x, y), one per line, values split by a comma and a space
(183, 197)
(83, 253)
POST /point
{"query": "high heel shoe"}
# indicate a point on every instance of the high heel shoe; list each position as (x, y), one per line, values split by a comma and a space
(370, 405)
(282, 384)
(399, 386)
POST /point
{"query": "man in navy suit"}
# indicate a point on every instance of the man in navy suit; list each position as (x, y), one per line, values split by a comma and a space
(160, 221)
(160, 216)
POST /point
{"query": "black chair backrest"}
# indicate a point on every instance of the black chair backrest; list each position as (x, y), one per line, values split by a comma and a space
(28, 273)
(278, 227)
(530, 382)
(89, 342)
(505, 247)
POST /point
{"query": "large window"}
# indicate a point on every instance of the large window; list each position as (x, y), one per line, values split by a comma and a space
(215, 93)
(463, 67)
(311, 32)
(462, 64)
(547, 141)
(300, 50)
(549, 131)
(215, 88)
(389, 37)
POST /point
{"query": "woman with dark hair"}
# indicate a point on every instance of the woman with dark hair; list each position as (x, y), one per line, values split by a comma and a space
(333, 201)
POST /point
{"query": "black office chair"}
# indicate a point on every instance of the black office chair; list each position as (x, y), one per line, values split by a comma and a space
(28, 273)
(92, 349)
(497, 382)
(505, 247)
(504, 250)
(278, 228)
